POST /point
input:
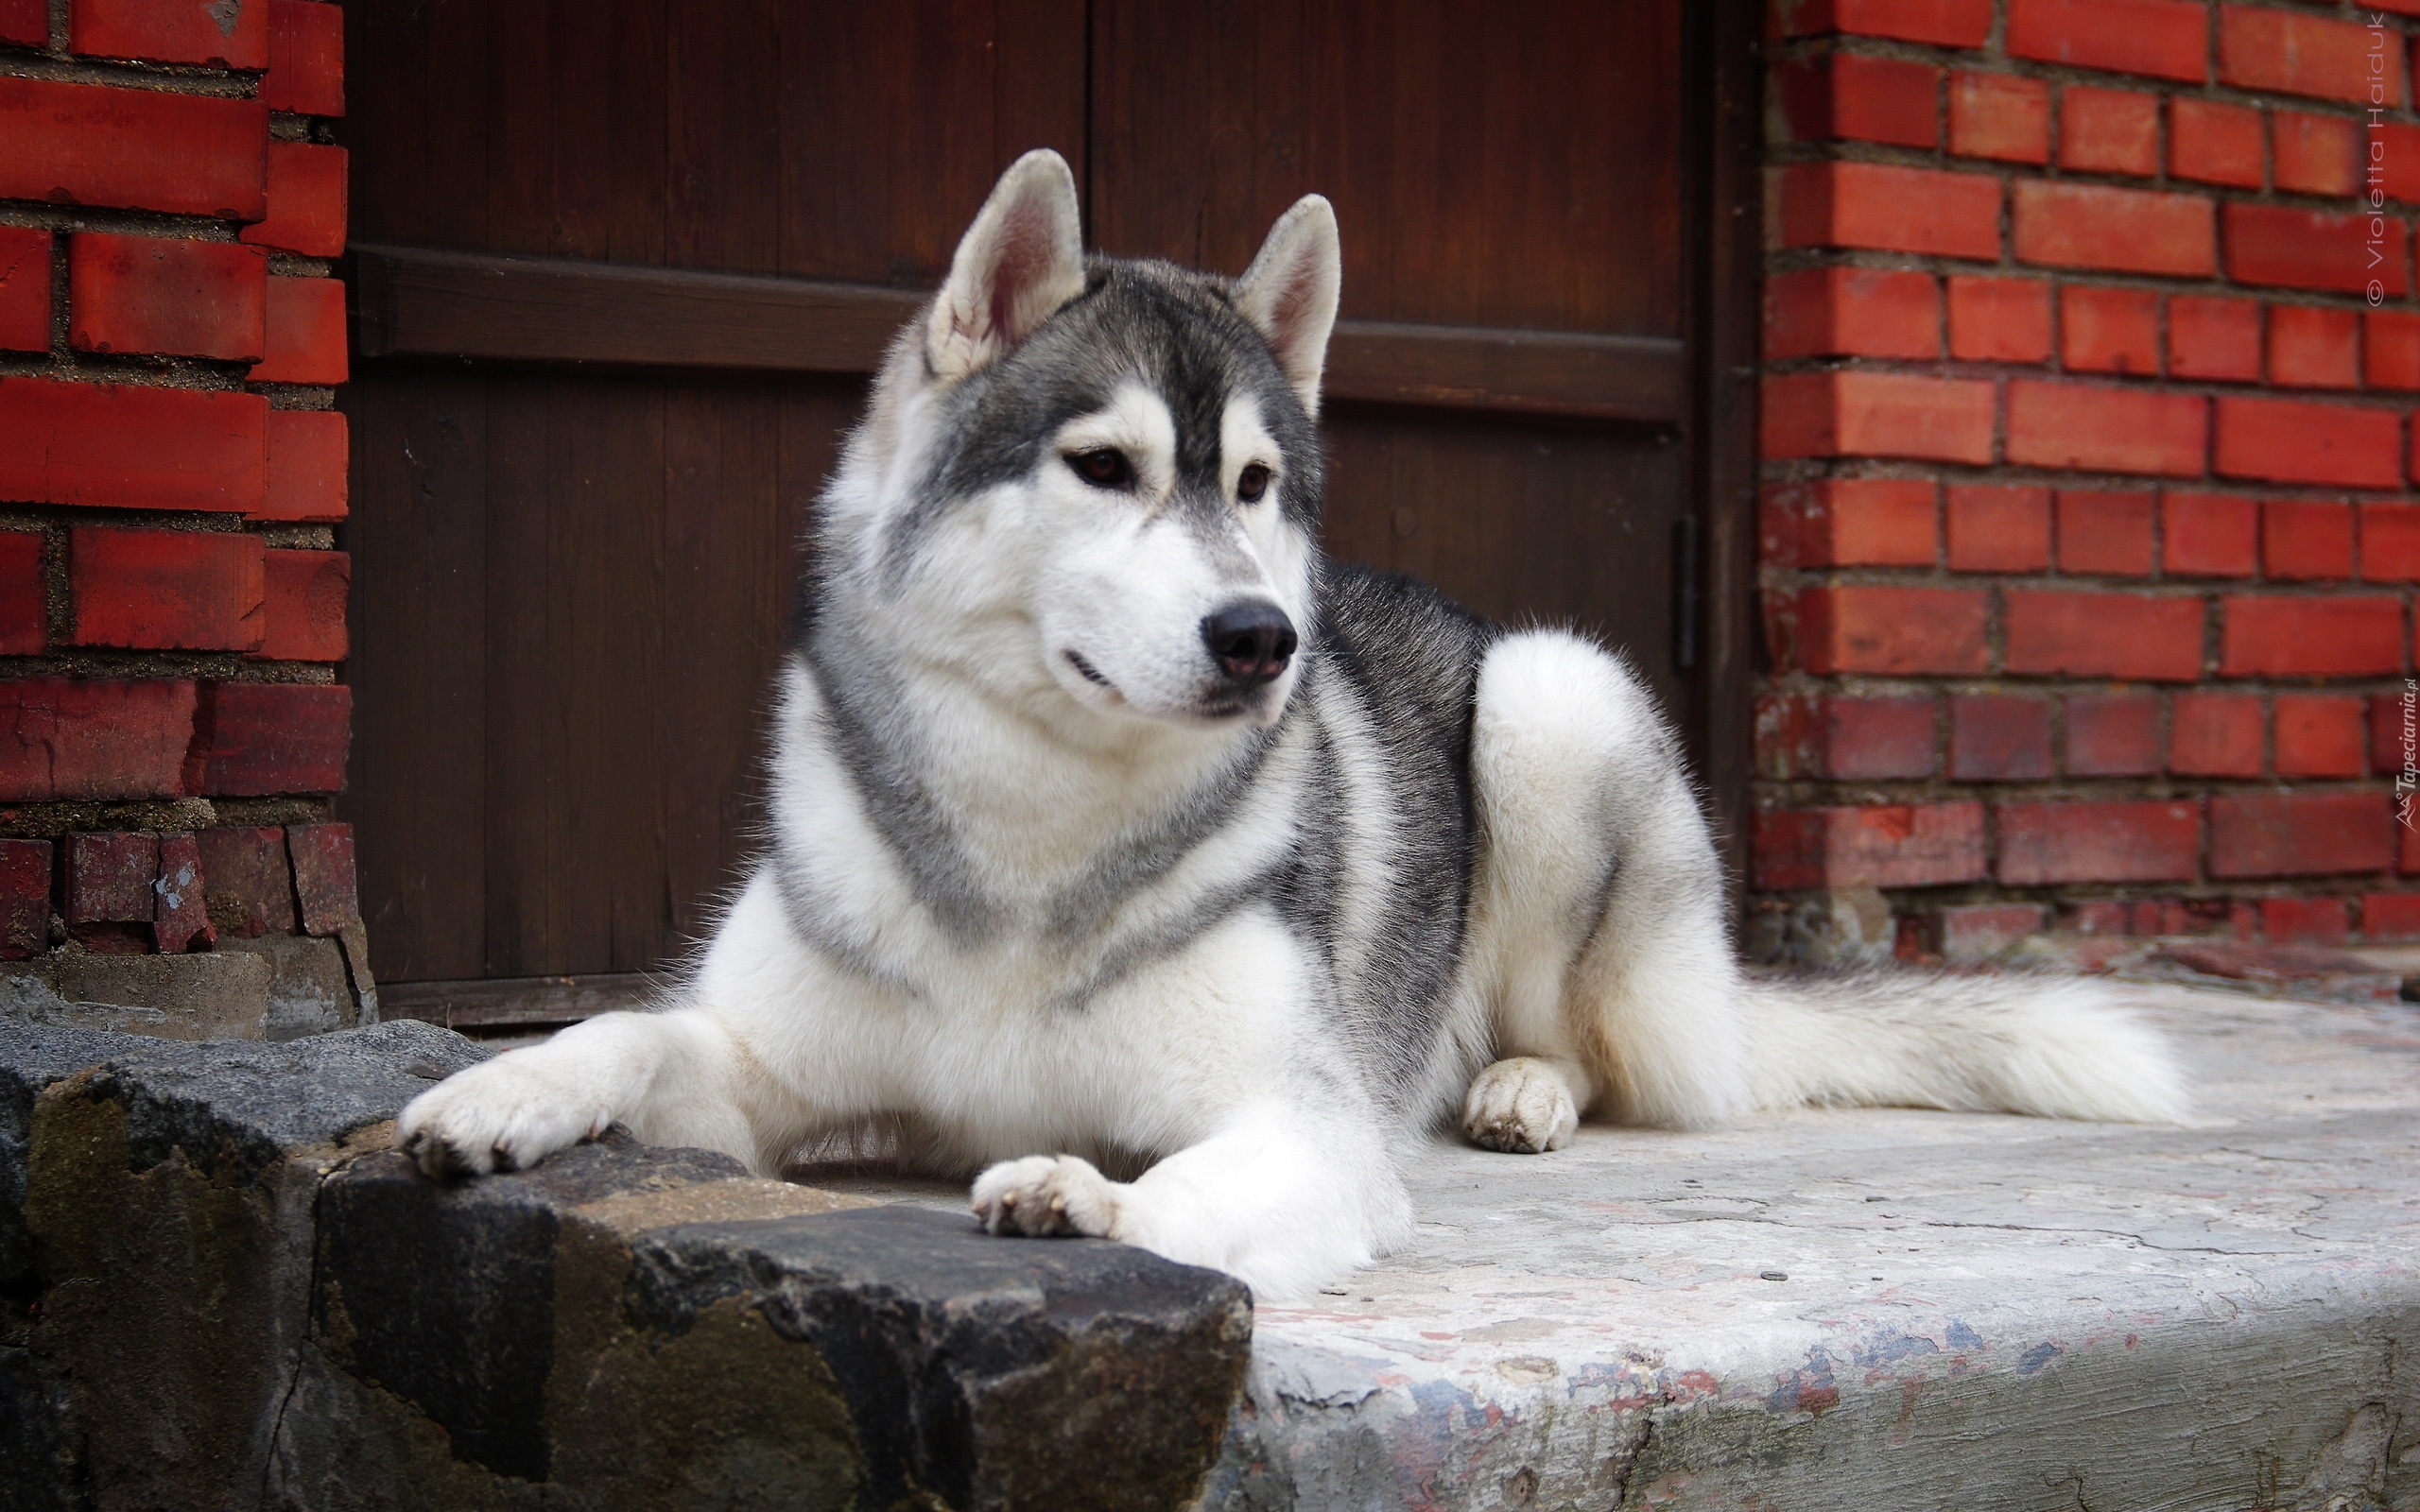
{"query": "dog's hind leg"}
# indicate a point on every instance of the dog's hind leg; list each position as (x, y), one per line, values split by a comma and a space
(1597, 929)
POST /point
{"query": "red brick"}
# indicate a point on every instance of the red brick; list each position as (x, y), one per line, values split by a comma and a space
(2312, 250)
(253, 739)
(2104, 533)
(2209, 535)
(307, 467)
(246, 882)
(2112, 734)
(1872, 739)
(2306, 540)
(2215, 734)
(2097, 842)
(2407, 846)
(172, 31)
(1945, 23)
(2099, 916)
(1998, 737)
(2391, 349)
(2005, 117)
(2108, 130)
(2386, 733)
(2112, 430)
(2128, 231)
(2319, 735)
(2314, 348)
(2214, 142)
(2390, 542)
(2311, 637)
(169, 295)
(193, 590)
(2162, 37)
(2298, 834)
(2303, 921)
(306, 341)
(109, 877)
(2391, 916)
(1896, 845)
(131, 447)
(304, 606)
(2286, 440)
(132, 148)
(2293, 53)
(324, 876)
(23, 595)
(2104, 635)
(1854, 523)
(306, 58)
(2316, 154)
(1855, 312)
(1860, 628)
(25, 899)
(1890, 209)
(1877, 414)
(181, 915)
(2394, 164)
(306, 201)
(1998, 319)
(92, 740)
(25, 289)
(2104, 329)
(1860, 97)
(2213, 339)
(25, 23)
(1999, 528)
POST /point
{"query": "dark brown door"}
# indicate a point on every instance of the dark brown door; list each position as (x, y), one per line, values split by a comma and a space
(580, 466)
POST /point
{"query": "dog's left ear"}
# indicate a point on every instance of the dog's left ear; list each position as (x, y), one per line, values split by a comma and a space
(1289, 292)
(1022, 258)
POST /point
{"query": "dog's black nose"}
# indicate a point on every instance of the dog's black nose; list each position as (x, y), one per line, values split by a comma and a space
(1251, 641)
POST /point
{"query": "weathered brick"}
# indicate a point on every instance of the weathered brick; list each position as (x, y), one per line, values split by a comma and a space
(1896, 845)
(2215, 734)
(2391, 916)
(1890, 208)
(1852, 522)
(62, 739)
(2303, 921)
(108, 879)
(254, 739)
(2113, 430)
(307, 467)
(1998, 737)
(2391, 349)
(24, 23)
(221, 33)
(192, 590)
(181, 916)
(306, 58)
(1858, 312)
(1943, 23)
(165, 294)
(2105, 532)
(2399, 143)
(2006, 116)
(24, 595)
(2298, 834)
(2390, 542)
(2317, 637)
(2317, 734)
(131, 447)
(2209, 535)
(2295, 53)
(2213, 338)
(306, 341)
(1978, 932)
(2214, 142)
(2108, 130)
(2284, 441)
(2111, 734)
(2105, 330)
(303, 610)
(324, 876)
(1860, 627)
(25, 289)
(2043, 843)
(306, 201)
(2295, 249)
(1874, 739)
(1877, 414)
(2104, 635)
(2312, 347)
(2162, 37)
(1860, 97)
(247, 881)
(25, 899)
(1998, 319)
(1997, 527)
(2307, 538)
(2315, 154)
(2127, 231)
(132, 148)
(2387, 733)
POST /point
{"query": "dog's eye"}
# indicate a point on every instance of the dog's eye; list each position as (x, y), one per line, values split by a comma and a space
(1252, 483)
(1103, 467)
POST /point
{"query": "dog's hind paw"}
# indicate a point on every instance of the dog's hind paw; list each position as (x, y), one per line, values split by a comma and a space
(500, 1116)
(1043, 1195)
(1520, 1106)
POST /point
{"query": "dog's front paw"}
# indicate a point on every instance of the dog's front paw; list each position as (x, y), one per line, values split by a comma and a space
(1520, 1106)
(502, 1115)
(1046, 1194)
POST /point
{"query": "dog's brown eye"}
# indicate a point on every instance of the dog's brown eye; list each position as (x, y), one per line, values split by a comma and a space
(1103, 467)
(1252, 483)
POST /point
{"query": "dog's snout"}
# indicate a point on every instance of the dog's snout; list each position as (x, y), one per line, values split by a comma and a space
(1251, 641)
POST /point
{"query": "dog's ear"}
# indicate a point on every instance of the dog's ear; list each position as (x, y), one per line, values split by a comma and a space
(1022, 258)
(1289, 292)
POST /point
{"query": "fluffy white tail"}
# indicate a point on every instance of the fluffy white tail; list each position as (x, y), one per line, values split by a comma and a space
(2056, 1048)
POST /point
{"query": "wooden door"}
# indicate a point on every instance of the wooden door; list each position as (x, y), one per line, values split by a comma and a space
(622, 265)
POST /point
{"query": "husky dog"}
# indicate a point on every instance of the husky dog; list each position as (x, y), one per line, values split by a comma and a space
(1112, 826)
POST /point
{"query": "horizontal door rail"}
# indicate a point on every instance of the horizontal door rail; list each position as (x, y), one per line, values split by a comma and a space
(506, 1001)
(425, 303)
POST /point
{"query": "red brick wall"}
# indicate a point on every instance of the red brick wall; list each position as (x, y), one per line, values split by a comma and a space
(2089, 526)
(172, 607)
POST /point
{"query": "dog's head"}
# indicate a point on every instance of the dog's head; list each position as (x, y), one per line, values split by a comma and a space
(1097, 481)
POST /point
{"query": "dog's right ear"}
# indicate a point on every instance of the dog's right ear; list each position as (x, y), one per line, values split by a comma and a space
(1022, 258)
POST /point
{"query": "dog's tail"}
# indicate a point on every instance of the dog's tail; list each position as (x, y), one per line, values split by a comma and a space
(2056, 1048)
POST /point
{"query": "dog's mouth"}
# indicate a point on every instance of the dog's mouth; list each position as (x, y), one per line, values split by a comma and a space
(1087, 671)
